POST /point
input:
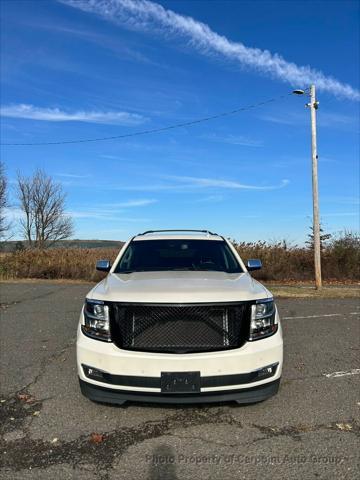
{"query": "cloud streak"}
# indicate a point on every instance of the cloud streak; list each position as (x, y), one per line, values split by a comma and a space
(146, 15)
(31, 112)
(233, 140)
(325, 120)
(227, 184)
(187, 184)
(112, 211)
(106, 215)
(73, 175)
(133, 203)
(209, 199)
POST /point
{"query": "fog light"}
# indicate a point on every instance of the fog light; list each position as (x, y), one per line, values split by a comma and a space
(267, 372)
(93, 373)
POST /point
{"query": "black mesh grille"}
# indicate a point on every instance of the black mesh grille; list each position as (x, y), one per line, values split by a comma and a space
(179, 328)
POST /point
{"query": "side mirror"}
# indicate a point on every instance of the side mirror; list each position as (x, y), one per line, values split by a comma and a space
(103, 265)
(254, 264)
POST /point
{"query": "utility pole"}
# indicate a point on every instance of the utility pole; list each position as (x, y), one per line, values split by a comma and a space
(314, 105)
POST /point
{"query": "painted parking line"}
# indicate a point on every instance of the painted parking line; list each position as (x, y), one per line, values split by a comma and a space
(323, 315)
(354, 371)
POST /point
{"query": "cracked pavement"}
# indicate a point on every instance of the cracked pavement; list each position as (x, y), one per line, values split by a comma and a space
(309, 430)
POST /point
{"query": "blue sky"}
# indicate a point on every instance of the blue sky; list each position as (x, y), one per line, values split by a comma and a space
(86, 69)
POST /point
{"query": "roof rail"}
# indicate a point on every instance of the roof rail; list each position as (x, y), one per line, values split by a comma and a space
(178, 230)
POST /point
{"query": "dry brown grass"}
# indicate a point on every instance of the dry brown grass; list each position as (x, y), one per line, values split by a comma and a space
(340, 262)
(65, 263)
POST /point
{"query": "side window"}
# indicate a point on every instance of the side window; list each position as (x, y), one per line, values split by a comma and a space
(230, 260)
(126, 260)
(226, 261)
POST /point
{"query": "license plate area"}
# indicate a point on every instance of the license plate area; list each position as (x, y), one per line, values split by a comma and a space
(180, 382)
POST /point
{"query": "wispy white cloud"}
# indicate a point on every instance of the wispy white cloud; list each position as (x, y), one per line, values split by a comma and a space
(146, 15)
(80, 214)
(133, 203)
(185, 184)
(103, 214)
(15, 214)
(169, 183)
(324, 119)
(334, 117)
(112, 211)
(104, 41)
(73, 175)
(233, 140)
(227, 184)
(328, 119)
(282, 119)
(110, 157)
(32, 112)
(209, 199)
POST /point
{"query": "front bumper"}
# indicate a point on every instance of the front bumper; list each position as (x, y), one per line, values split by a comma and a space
(246, 395)
(226, 375)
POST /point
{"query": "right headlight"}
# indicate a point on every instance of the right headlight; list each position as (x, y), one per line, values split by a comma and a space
(96, 320)
(263, 319)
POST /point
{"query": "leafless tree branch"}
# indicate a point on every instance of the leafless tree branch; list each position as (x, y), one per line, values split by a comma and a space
(4, 223)
(43, 204)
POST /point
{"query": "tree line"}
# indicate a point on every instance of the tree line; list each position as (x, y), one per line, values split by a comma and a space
(41, 200)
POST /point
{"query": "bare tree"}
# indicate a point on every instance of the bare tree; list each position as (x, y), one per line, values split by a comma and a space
(4, 224)
(42, 202)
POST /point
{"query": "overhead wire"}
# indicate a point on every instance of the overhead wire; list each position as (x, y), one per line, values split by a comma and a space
(153, 130)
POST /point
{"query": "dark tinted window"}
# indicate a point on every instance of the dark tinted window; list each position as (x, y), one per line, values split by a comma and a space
(158, 255)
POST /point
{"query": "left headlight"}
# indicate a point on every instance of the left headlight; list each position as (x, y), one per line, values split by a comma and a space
(263, 319)
(96, 320)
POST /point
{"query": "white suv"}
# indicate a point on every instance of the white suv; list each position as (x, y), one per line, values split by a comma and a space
(178, 319)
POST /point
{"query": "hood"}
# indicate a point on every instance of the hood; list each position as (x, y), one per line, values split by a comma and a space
(178, 287)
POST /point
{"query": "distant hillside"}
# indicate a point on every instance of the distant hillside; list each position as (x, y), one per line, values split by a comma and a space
(11, 246)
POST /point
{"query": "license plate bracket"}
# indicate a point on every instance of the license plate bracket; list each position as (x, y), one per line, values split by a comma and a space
(180, 382)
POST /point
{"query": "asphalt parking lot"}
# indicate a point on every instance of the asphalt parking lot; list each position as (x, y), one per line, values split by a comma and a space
(310, 430)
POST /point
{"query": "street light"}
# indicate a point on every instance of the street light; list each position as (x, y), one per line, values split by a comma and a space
(314, 105)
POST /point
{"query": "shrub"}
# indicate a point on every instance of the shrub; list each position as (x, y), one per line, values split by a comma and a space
(70, 263)
(281, 261)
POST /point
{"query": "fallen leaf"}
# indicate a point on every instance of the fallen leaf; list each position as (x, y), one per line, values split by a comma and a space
(97, 438)
(54, 440)
(344, 426)
(25, 397)
(36, 413)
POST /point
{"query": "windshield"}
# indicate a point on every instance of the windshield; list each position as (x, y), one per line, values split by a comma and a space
(160, 255)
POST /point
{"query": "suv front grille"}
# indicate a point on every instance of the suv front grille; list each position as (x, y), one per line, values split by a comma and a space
(179, 328)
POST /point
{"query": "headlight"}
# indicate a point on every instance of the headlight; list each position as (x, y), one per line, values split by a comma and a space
(262, 322)
(97, 320)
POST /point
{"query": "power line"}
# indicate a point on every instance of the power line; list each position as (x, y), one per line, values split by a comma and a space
(155, 130)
